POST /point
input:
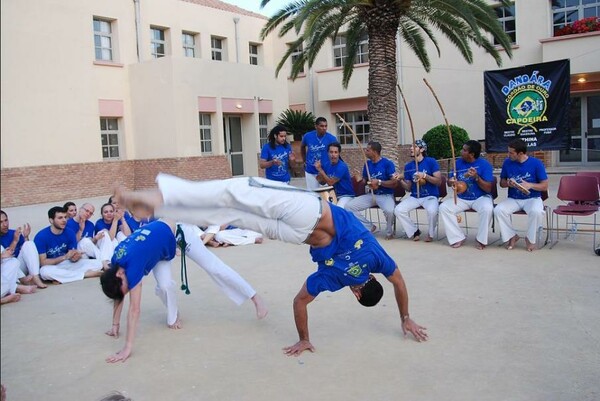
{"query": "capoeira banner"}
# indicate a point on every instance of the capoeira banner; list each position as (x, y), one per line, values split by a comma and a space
(529, 102)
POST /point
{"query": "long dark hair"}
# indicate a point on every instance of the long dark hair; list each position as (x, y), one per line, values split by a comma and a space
(276, 130)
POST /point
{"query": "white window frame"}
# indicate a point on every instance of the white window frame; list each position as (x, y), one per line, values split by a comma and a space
(359, 121)
(217, 53)
(254, 56)
(107, 136)
(504, 19)
(188, 42)
(581, 10)
(263, 129)
(340, 53)
(104, 36)
(295, 54)
(155, 43)
(205, 132)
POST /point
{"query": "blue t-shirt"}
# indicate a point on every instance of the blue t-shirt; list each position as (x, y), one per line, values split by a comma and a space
(428, 165)
(340, 171)
(102, 225)
(7, 239)
(281, 153)
(88, 229)
(352, 255)
(531, 170)
(316, 149)
(382, 170)
(484, 170)
(55, 245)
(143, 249)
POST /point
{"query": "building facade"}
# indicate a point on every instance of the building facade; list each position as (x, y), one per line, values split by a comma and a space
(95, 93)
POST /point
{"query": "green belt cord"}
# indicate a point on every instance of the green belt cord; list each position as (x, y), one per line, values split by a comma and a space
(180, 238)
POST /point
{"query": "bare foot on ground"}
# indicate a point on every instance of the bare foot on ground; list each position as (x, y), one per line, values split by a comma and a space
(458, 244)
(480, 246)
(258, 240)
(261, 307)
(26, 289)
(530, 247)
(512, 242)
(10, 298)
(177, 325)
(38, 282)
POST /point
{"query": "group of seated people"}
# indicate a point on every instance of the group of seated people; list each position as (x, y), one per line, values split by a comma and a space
(471, 179)
(72, 248)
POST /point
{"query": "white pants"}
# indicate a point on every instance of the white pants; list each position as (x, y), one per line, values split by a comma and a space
(10, 273)
(103, 250)
(67, 271)
(484, 206)
(237, 236)
(227, 279)
(277, 210)
(534, 207)
(429, 203)
(363, 202)
(29, 259)
(311, 181)
(343, 201)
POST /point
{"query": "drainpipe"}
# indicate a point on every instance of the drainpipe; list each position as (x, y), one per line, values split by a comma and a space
(236, 20)
(138, 34)
(399, 100)
(311, 90)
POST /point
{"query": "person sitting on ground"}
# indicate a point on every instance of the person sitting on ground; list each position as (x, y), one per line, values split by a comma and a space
(121, 214)
(337, 175)
(16, 243)
(476, 175)
(60, 260)
(11, 275)
(93, 244)
(346, 252)
(110, 223)
(526, 179)
(71, 209)
(151, 248)
(428, 178)
(231, 235)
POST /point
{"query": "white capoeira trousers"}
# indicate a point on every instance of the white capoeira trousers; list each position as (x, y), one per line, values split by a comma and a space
(385, 202)
(29, 259)
(277, 210)
(429, 203)
(10, 273)
(237, 236)
(534, 207)
(67, 271)
(102, 250)
(228, 280)
(484, 206)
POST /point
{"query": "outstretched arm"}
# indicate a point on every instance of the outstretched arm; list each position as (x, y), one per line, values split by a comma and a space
(116, 320)
(302, 299)
(133, 316)
(401, 294)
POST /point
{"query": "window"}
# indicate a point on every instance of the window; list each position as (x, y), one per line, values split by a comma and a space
(158, 43)
(507, 18)
(565, 12)
(103, 40)
(253, 51)
(109, 134)
(189, 44)
(340, 51)
(216, 48)
(263, 129)
(295, 54)
(359, 121)
(205, 134)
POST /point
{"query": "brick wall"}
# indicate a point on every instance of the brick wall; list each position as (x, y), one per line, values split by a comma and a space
(60, 183)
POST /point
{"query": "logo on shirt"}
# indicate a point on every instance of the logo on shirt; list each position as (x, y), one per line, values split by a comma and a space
(355, 270)
(358, 244)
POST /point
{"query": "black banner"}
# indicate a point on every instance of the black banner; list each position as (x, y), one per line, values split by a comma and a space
(529, 102)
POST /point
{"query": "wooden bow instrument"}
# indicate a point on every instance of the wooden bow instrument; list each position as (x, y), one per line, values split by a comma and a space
(412, 131)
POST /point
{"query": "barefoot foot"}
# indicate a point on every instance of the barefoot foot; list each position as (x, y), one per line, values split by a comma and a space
(177, 325)
(512, 242)
(480, 246)
(10, 298)
(530, 247)
(38, 282)
(458, 244)
(261, 307)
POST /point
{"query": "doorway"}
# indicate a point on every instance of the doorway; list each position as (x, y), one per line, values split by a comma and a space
(233, 143)
(584, 135)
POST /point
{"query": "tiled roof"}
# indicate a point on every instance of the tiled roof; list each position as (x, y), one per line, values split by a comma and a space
(219, 5)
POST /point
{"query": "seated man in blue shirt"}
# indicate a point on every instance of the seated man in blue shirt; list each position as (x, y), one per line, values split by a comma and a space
(345, 251)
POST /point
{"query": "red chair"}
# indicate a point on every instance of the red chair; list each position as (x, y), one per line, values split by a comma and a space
(582, 193)
(590, 174)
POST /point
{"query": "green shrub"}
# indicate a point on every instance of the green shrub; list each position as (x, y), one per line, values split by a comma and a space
(297, 122)
(438, 142)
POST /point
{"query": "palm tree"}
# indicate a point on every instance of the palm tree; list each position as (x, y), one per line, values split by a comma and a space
(463, 22)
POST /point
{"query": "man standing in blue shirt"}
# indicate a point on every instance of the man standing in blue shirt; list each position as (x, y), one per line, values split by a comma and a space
(276, 155)
(526, 179)
(314, 148)
(477, 176)
(382, 185)
(337, 175)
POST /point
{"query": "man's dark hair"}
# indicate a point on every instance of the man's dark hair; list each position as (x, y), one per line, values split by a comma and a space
(111, 284)
(474, 147)
(320, 120)
(376, 146)
(371, 293)
(4, 213)
(274, 132)
(110, 200)
(56, 209)
(335, 144)
(519, 145)
(67, 205)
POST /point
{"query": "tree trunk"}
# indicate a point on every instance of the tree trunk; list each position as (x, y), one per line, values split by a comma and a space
(382, 24)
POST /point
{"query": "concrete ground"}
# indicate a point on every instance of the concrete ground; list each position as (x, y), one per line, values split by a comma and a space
(503, 325)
